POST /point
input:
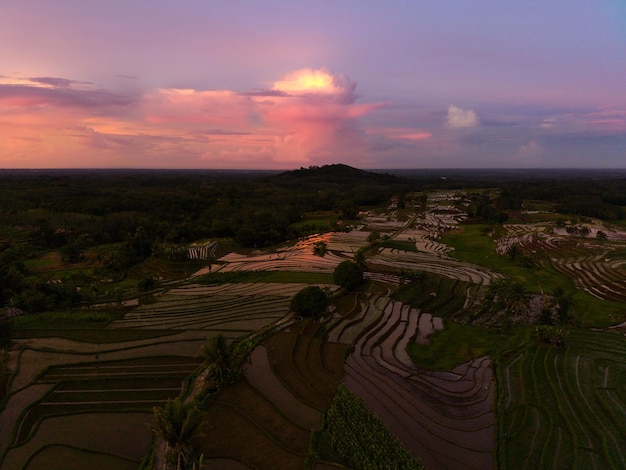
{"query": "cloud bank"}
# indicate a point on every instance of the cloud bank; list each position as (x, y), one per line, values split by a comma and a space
(308, 116)
(304, 117)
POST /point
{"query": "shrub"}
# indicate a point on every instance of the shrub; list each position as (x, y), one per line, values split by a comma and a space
(311, 301)
(348, 275)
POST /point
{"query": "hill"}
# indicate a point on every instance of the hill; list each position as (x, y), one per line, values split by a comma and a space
(336, 174)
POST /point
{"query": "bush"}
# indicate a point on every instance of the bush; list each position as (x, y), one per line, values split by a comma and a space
(348, 275)
(311, 301)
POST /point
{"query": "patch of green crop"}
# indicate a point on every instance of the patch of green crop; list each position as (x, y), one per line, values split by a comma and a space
(474, 245)
(437, 295)
(402, 245)
(456, 344)
(559, 405)
(354, 437)
(593, 312)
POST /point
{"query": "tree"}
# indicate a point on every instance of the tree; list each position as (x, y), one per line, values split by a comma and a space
(562, 303)
(311, 301)
(513, 251)
(72, 252)
(359, 257)
(146, 284)
(217, 355)
(348, 275)
(179, 424)
(516, 299)
(348, 208)
(6, 332)
(320, 248)
(511, 297)
(373, 236)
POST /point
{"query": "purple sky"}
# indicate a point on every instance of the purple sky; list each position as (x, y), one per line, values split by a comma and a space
(284, 84)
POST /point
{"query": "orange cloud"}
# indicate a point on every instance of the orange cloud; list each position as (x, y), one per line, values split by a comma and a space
(402, 133)
(316, 82)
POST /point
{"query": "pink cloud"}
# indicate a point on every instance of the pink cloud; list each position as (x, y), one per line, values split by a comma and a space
(608, 118)
(308, 116)
(604, 120)
(176, 106)
(317, 115)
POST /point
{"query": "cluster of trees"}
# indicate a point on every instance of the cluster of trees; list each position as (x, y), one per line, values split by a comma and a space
(131, 215)
(514, 300)
(180, 425)
(602, 197)
(21, 289)
(313, 301)
(223, 361)
(488, 210)
(75, 210)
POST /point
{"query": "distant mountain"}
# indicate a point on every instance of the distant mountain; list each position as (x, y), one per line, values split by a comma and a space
(336, 174)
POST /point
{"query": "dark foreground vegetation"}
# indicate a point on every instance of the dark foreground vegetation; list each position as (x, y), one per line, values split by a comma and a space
(318, 296)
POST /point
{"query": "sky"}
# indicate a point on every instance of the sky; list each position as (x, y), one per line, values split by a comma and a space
(283, 84)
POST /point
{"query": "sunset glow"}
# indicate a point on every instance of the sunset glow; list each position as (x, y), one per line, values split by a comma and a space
(384, 86)
(307, 81)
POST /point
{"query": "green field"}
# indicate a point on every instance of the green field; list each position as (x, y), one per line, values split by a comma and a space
(564, 407)
(473, 244)
(457, 344)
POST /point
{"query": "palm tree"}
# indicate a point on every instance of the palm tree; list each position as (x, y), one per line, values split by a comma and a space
(562, 302)
(373, 237)
(513, 251)
(217, 356)
(179, 424)
(359, 257)
(517, 299)
(511, 297)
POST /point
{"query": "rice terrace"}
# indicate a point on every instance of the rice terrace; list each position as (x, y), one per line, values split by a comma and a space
(321, 318)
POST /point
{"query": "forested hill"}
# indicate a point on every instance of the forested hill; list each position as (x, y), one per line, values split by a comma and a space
(336, 174)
